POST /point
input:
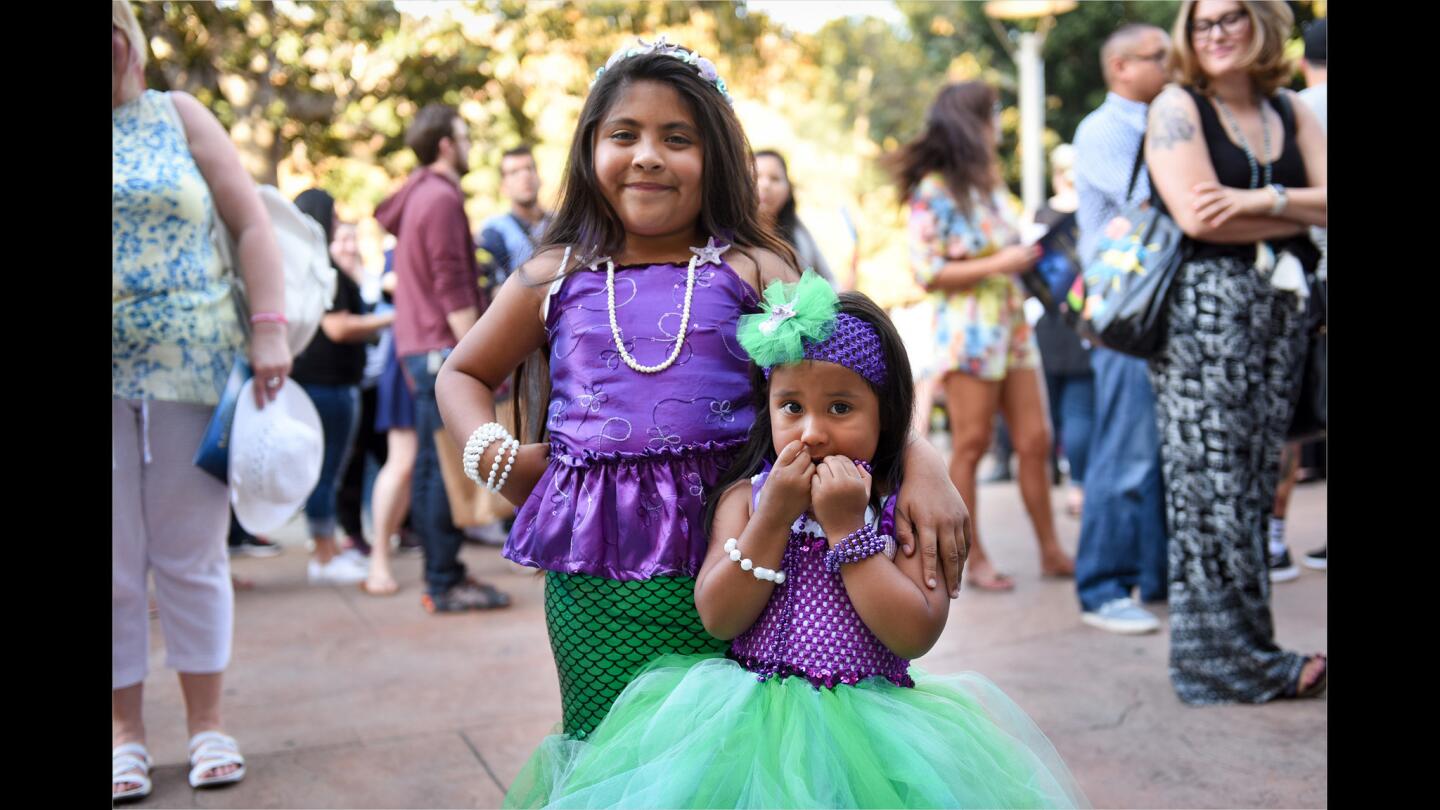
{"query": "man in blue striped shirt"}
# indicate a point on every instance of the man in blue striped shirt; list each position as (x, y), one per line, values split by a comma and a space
(1122, 530)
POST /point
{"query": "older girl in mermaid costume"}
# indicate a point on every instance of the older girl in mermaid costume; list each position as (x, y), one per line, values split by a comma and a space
(815, 704)
(655, 252)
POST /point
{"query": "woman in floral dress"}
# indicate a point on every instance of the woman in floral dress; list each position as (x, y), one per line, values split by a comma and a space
(965, 249)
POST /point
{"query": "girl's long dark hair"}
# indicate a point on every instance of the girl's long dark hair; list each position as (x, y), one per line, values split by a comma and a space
(321, 207)
(729, 207)
(952, 143)
(786, 219)
(897, 401)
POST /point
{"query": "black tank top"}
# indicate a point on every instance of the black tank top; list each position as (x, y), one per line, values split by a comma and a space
(1233, 169)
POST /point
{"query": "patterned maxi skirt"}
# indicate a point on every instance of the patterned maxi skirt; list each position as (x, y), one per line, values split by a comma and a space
(1224, 385)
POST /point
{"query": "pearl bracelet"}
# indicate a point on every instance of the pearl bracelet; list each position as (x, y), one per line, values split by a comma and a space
(732, 547)
(499, 457)
(505, 473)
(476, 445)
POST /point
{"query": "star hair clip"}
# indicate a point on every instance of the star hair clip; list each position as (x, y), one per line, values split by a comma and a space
(710, 254)
(703, 67)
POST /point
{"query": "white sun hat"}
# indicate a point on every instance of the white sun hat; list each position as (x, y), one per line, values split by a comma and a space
(275, 456)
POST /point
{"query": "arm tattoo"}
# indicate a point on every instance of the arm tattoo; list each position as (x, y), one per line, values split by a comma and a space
(1170, 126)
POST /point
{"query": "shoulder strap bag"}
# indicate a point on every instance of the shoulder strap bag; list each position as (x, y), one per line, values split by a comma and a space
(1122, 294)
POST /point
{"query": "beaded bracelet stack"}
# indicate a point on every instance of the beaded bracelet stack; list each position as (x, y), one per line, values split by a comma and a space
(858, 545)
(475, 448)
(732, 547)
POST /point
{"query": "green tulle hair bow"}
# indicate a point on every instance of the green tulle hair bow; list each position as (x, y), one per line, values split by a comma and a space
(789, 315)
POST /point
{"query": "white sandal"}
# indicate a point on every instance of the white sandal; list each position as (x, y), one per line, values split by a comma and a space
(210, 750)
(130, 764)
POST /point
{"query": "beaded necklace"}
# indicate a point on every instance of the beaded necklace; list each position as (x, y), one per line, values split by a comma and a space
(615, 326)
(1245, 145)
(710, 254)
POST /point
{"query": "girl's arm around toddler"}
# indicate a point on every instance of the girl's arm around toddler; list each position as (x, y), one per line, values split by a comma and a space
(931, 511)
(510, 331)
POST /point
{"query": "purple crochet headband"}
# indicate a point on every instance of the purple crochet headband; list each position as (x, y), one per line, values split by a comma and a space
(853, 345)
(802, 321)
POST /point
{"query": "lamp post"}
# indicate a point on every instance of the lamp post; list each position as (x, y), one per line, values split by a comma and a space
(1032, 86)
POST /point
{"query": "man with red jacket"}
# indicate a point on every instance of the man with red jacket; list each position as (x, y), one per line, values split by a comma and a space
(437, 300)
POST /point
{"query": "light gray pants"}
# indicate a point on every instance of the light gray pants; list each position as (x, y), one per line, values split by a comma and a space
(169, 516)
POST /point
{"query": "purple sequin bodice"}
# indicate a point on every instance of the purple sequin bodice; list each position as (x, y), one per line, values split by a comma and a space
(633, 455)
(809, 628)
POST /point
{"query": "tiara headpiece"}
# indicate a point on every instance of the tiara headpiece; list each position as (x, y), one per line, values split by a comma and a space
(703, 67)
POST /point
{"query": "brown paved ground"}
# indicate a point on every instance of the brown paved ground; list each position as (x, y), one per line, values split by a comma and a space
(342, 700)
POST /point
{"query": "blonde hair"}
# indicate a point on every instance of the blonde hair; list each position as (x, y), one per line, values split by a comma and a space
(122, 16)
(1062, 166)
(1271, 22)
(1063, 157)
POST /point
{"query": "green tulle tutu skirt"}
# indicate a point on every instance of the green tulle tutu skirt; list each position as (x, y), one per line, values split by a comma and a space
(700, 731)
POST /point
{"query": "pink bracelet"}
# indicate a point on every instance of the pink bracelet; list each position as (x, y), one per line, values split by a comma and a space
(268, 317)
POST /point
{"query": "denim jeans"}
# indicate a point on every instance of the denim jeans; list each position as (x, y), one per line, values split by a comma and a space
(1072, 410)
(1122, 530)
(339, 408)
(429, 506)
(354, 494)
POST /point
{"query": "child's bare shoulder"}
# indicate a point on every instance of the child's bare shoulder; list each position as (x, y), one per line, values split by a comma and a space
(760, 266)
(735, 500)
(545, 266)
(738, 489)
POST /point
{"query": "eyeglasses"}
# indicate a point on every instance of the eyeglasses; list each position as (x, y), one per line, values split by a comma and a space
(1157, 57)
(1229, 25)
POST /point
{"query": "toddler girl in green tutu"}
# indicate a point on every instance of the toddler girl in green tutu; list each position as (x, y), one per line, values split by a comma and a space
(815, 703)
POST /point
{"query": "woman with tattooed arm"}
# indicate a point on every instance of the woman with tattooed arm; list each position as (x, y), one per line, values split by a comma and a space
(1240, 165)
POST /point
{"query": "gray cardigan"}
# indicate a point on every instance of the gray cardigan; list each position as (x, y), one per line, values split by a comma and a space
(809, 253)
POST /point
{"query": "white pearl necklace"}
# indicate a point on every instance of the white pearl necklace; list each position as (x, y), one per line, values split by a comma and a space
(684, 318)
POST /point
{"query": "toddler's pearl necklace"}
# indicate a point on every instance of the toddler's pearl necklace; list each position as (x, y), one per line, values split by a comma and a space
(615, 327)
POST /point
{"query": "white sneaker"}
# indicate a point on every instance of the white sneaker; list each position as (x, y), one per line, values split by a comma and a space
(354, 555)
(1122, 616)
(341, 570)
(491, 534)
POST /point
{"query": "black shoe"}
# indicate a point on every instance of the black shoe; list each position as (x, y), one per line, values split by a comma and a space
(1316, 559)
(1281, 568)
(468, 595)
(256, 547)
(410, 545)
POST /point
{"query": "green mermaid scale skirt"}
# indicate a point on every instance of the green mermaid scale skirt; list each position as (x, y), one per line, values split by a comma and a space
(603, 632)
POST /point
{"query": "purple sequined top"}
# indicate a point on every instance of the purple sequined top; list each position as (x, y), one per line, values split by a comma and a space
(809, 628)
(632, 455)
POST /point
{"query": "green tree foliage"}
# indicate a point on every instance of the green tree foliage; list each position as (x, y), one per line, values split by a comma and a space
(279, 75)
(320, 92)
(1073, 80)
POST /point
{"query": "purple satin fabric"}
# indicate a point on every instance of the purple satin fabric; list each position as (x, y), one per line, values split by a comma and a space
(632, 455)
(809, 628)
